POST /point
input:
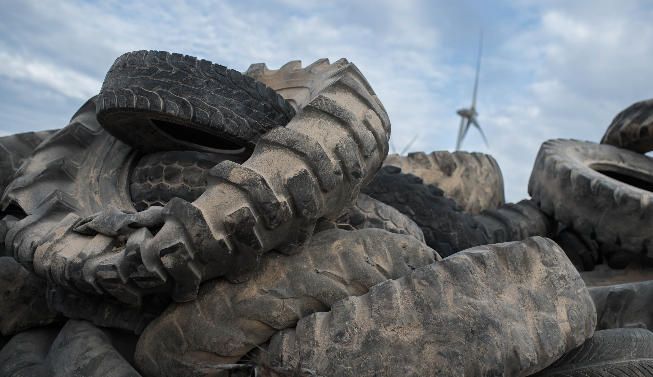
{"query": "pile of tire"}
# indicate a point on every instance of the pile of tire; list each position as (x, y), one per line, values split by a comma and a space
(192, 220)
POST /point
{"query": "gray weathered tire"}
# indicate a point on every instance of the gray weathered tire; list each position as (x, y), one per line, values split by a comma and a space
(498, 310)
(624, 305)
(632, 128)
(25, 353)
(14, 149)
(228, 320)
(155, 100)
(609, 353)
(446, 227)
(582, 251)
(600, 191)
(472, 179)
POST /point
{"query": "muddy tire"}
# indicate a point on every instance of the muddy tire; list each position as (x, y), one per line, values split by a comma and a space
(446, 227)
(155, 100)
(609, 353)
(14, 149)
(358, 336)
(632, 128)
(228, 320)
(600, 191)
(624, 305)
(472, 179)
(370, 213)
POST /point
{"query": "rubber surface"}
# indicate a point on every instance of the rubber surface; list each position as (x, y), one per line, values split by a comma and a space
(471, 179)
(632, 128)
(155, 100)
(600, 191)
(14, 149)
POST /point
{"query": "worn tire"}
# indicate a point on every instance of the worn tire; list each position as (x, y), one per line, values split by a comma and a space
(155, 100)
(624, 305)
(472, 179)
(516, 307)
(632, 128)
(14, 149)
(600, 191)
(228, 320)
(609, 353)
(25, 353)
(446, 227)
(582, 251)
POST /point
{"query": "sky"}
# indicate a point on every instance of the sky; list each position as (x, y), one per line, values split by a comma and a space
(550, 69)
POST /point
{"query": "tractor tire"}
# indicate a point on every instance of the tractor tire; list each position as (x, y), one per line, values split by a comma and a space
(446, 227)
(624, 305)
(26, 352)
(632, 128)
(516, 307)
(155, 100)
(582, 251)
(473, 180)
(609, 353)
(14, 149)
(600, 191)
(228, 320)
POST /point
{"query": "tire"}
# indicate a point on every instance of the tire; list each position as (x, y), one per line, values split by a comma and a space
(624, 305)
(14, 149)
(517, 307)
(369, 213)
(228, 320)
(446, 227)
(23, 299)
(312, 168)
(155, 100)
(26, 352)
(609, 353)
(599, 191)
(632, 128)
(473, 180)
(582, 252)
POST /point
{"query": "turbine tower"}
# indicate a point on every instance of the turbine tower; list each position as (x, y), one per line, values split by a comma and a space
(469, 116)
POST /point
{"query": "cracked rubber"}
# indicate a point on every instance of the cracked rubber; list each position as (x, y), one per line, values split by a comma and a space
(155, 100)
(446, 227)
(471, 179)
(228, 320)
(624, 305)
(516, 307)
(14, 149)
(632, 128)
(78, 349)
(615, 213)
(609, 353)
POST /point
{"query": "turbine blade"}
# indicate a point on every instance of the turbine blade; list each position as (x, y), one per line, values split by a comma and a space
(466, 128)
(410, 144)
(459, 139)
(478, 70)
(478, 126)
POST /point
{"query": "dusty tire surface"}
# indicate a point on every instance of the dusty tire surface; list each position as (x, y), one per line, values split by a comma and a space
(600, 191)
(155, 100)
(228, 320)
(23, 304)
(609, 353)
(14, 149)
(368, 213)
(26, 352)
(517, 308)
(624, 305)
(632, 128)
(472, 179)
(448, 228)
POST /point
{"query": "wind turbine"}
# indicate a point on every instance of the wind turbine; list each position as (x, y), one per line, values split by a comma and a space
(469, 116)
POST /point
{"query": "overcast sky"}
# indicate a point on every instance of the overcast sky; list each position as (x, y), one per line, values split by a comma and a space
(554, 69)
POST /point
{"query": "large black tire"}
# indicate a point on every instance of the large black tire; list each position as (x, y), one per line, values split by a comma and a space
(155, 100)
(25, 353)
(228, 320)
(508, 309)
(609, 353)
(632, 128)
(601, 191)
(446, 227)
(472, 179)
(14, 149)
(582, 251)
(624, 305)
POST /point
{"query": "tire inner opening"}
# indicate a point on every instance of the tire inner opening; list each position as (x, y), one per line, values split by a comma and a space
(194, 136)
(630, 177)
